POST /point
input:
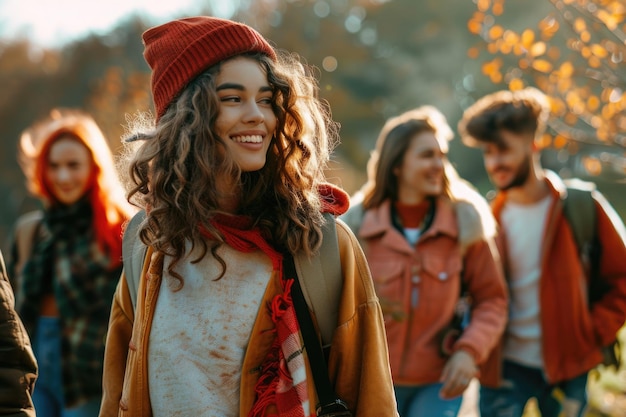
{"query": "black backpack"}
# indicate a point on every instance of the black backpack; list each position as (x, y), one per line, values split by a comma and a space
(580, 211)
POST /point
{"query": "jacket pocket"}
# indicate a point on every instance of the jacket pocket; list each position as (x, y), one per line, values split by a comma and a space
(441, 280)
(442, 268)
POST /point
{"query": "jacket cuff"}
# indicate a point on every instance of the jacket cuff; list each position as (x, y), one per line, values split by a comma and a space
(470, 351)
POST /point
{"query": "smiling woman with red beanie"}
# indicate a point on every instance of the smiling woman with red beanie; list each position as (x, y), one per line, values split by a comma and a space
(231, 178)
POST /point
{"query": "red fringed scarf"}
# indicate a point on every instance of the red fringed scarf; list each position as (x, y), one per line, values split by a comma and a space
(283, 381)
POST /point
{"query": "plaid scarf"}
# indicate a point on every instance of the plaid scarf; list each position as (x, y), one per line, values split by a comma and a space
(282, 387)
(66, 261)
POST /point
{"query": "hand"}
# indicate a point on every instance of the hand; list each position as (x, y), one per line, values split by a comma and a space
(457, 374)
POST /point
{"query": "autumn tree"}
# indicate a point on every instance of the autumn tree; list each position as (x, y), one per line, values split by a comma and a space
(576, 55)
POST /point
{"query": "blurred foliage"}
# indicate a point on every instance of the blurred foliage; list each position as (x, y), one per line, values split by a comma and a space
(375, 58)
(105, 75)
(576, 54)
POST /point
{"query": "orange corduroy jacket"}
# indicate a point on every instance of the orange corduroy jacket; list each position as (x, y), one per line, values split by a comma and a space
(358, 362)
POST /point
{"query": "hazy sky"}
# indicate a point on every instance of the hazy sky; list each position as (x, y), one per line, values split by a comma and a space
(52, 23)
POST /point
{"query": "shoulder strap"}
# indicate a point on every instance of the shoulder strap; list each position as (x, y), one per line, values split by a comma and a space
(329, 402)
(580, 211)
(133, 254)
(321, 282)
(26, 234)
(353, 218)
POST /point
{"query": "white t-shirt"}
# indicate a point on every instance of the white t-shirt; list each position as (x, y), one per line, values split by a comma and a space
(412, 234)
(200, 334)
(524, 226)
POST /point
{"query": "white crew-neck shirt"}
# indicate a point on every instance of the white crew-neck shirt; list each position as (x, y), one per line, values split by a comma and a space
(524, 226)
(200, 333)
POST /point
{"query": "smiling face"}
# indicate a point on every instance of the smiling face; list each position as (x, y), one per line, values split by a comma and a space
(68, 169)
(246, 121)
(420, 174)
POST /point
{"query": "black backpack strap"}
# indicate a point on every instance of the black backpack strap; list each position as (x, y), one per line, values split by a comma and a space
(329, 402)
(579, 208)
(580, 211)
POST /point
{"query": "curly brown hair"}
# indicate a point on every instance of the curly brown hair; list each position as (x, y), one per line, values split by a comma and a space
(175, 170)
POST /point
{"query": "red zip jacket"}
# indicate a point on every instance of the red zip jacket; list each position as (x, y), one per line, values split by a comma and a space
(573, 333)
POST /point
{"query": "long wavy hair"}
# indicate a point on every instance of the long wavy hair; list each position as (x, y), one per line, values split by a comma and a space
(104, 190)
(175, 170)
(392, 143)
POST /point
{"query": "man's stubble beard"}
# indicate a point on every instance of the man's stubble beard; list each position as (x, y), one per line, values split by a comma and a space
(521, 176)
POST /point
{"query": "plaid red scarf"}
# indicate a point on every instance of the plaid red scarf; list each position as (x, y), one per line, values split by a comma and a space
(281, 390)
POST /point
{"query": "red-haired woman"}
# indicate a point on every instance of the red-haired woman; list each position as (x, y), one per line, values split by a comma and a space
(67, 258)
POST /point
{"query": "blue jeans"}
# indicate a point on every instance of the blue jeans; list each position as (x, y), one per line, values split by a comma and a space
(424, 400)
(522, 383)
(48, 394)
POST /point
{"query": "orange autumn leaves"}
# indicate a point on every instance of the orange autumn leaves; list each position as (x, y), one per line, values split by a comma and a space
(576, 54)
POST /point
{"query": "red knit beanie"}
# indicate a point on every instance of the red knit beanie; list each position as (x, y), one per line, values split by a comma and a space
(180, 50)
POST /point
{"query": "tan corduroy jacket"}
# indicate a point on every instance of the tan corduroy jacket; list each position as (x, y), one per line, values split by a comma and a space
(358, 362)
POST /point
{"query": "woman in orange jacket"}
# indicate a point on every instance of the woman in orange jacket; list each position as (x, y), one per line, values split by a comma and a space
(231, 179)
(427, 234)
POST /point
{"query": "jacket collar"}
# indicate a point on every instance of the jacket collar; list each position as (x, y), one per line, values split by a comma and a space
(334, 199)
(555, 184)
(377, 221)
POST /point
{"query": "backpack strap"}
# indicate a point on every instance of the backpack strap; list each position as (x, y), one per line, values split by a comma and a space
(133, 254)
(322, 281)
(580, 210)
(26, 234)
(26, 231)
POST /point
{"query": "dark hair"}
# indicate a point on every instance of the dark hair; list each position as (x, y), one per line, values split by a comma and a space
(521, 112)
